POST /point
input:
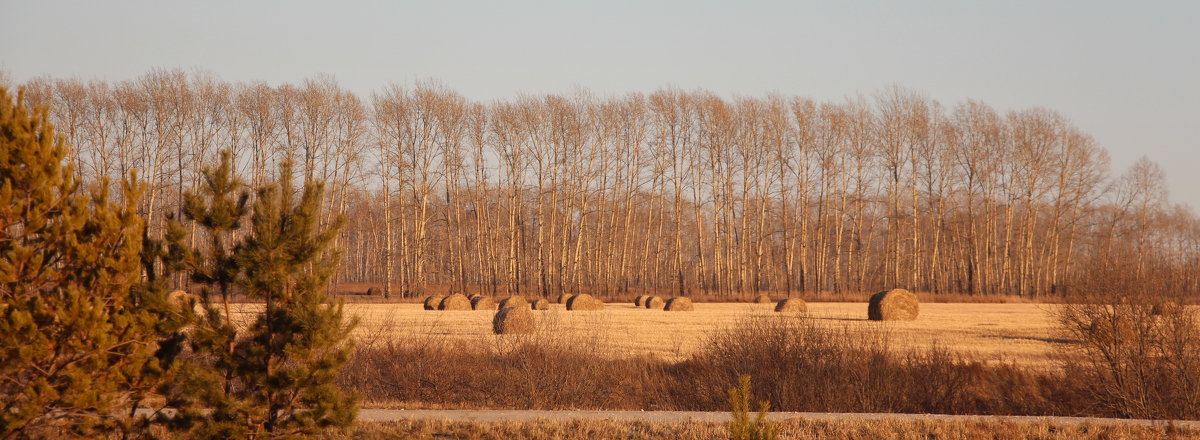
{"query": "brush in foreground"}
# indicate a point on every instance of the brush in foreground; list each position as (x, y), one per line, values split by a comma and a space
(515, 301)
(483, 303)
(432, 302)
(456, 301)
(544, 429)
(762, 299)
(893, 305)
(514, 320)
(653, 302)
(539, 304)
(791, 305)
(679, 304)
(584, 301)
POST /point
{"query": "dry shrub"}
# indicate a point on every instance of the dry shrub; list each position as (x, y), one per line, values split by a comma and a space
(514, 320)
(640, 301)
(543, 370)
(654, 302)
(1139, 352)
(539, 304)
(515, 301)
(893, 305)
(798, 365)
(585, 302)
(483, 303)
(762, 299)
(679, 304)
(433, 302)
(456, 301)
(791, 305)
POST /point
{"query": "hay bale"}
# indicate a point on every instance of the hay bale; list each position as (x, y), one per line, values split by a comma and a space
(514, 302)
(456, 301)
(514, 320)
(483, 303)
(791, 305)
(584, 301)
(372, 291)
(893, 305)
(184, 300)
(679, 304)
(563, 298)
(654, 302)
(762, 299)
(640, 301)
(432, 302)
(539, 304)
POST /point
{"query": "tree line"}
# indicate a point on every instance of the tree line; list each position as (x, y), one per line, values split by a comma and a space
(677, 191)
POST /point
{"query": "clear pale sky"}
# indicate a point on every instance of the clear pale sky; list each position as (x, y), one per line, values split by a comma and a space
(1125, 72)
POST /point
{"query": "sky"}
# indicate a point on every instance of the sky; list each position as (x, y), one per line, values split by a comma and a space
(1125, 72)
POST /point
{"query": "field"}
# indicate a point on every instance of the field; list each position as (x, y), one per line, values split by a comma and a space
(1021, 333)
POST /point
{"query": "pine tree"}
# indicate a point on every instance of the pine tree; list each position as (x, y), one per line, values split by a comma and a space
(275, 377)
(70, 277)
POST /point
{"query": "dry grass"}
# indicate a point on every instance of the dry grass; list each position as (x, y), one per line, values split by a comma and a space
(1021, 333)
(791, 429)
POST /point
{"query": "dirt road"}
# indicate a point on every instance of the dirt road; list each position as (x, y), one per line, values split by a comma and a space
(384, 415)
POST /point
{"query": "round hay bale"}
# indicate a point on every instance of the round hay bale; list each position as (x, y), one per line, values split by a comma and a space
(483, 303)
(184, 300)
(432, 302)
(584, 301)
(539, 304)
(791, 305)
(1163, 308)
(563, 298)
(514, 320)
(654, 302)
(515, 301)
(679, 304)
(456, 301)
(372, 291)
(640, 301)
(762, 299)
(893, 305)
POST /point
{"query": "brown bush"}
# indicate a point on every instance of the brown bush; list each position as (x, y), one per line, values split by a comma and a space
(514, 320)
(654, 302)
(433, 302)
(679, 304)
(1138, 353)
(456, 301)
(763, 299)
(483, 303)
(893, 305)
(515, 301)
(584, 301)
(791, 305)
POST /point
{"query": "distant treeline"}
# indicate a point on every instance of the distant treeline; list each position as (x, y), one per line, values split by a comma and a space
(673, 190)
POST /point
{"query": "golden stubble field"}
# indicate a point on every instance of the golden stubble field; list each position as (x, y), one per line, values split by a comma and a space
(1020, 333)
